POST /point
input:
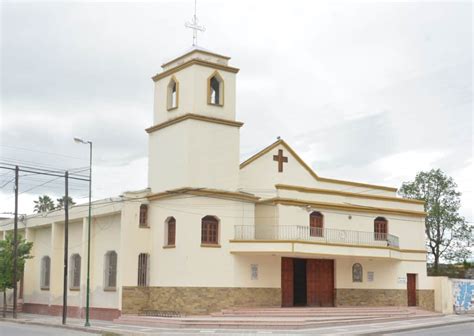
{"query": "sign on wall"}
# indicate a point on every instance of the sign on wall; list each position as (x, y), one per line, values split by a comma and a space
(402, 280)
(254, 272)
(370, 276)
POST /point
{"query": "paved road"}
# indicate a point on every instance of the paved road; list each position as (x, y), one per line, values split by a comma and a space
(465, 329)
(14, 329)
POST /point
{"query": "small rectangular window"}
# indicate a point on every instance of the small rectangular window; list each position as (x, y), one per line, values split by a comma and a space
(143, 216)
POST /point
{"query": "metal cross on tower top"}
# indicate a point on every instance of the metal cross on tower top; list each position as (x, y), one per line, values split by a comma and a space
(194, 25)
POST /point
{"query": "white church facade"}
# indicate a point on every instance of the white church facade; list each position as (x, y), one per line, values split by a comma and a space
(211, 233)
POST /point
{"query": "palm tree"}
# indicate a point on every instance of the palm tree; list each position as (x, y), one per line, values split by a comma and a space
(62, 200)
(43, 204)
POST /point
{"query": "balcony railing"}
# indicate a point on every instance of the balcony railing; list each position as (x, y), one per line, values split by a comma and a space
(305, 233)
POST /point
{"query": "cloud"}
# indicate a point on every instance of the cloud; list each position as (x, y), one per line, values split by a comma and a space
(357, 88)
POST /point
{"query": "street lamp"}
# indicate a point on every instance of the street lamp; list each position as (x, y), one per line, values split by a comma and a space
(81, 141)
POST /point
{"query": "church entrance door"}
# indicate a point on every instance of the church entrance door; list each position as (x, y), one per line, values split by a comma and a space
(307, 282)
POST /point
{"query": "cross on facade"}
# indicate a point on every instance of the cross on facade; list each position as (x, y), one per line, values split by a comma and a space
(194, 25)
(281, 159)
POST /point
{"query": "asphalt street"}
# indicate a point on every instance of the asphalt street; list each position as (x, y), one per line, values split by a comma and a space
(464, 329)
(14, 329)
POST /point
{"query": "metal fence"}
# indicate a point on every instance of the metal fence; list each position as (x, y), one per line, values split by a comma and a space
(305, 233)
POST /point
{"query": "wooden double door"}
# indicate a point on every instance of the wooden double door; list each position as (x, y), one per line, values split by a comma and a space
(307, 282)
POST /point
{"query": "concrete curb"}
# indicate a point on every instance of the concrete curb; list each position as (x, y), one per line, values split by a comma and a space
(394, 331)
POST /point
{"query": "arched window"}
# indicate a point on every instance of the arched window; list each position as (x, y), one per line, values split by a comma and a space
(110, 270)
(357, 272)
(45, 272)
(380, 228)
(75, 272)
(316, 224)
(209, 230)
(143, 222)
(215, 90)
(170, 231)
(143, 269)
(172, 94)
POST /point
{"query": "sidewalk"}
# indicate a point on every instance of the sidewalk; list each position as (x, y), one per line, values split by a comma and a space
(110, 328)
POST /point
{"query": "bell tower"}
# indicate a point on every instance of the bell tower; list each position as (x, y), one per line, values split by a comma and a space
(194, 140)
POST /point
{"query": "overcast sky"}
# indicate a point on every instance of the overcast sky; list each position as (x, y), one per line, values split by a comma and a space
(366, 91)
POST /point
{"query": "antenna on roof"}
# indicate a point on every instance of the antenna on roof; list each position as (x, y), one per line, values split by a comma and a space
(194, 25)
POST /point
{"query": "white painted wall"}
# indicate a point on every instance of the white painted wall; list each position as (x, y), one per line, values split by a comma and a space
(196, 154)
(189, 264)
(261, 175)
(387, 274)
(193, 94)
(410, 230)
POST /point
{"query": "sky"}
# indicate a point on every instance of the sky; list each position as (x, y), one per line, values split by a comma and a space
(366, 91)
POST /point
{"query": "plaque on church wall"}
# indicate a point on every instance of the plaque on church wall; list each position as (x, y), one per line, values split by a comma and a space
(370, 276)
(402, 280)
(254, 272)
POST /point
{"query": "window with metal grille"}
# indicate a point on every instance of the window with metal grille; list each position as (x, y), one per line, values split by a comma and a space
(45, 272)
(143, 269)
(75, 272)
(110, 270)
(143, 216)
(316, 224)
(171, 231)
(209, 230)
(380, 228)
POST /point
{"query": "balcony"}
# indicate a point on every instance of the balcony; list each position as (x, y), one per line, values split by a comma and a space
(316, 235)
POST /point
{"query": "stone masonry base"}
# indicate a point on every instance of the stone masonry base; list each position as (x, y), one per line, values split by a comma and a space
(196, 300)
(205, 300)
(382, 297)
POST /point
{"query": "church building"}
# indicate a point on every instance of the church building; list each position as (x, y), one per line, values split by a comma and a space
(211, 232)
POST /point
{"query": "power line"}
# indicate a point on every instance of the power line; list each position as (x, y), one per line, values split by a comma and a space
(49, 153)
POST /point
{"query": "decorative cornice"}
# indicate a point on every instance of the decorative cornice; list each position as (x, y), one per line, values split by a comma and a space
(308, 168)
(193, 51)
(213, 193)
(194, 117)
(324, 243)
(345, 193)
(194, 62)
(337, 206)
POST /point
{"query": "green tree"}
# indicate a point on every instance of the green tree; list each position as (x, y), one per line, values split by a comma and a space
(448, 234)
(6, 263)
(62, 200)
(43, 204)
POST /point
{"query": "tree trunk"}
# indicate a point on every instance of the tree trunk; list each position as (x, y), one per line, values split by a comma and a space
(5, 303)
(436, 264)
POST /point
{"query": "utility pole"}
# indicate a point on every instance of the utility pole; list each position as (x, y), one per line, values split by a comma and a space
(66, 243)
(15, 244)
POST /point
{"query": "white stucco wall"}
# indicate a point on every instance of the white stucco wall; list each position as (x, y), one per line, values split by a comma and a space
(190, 264)
(196, 154)
(410, 230)
(261, 175)
(106, 237)
(193, 94)
(41, 247)
(388, 274)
